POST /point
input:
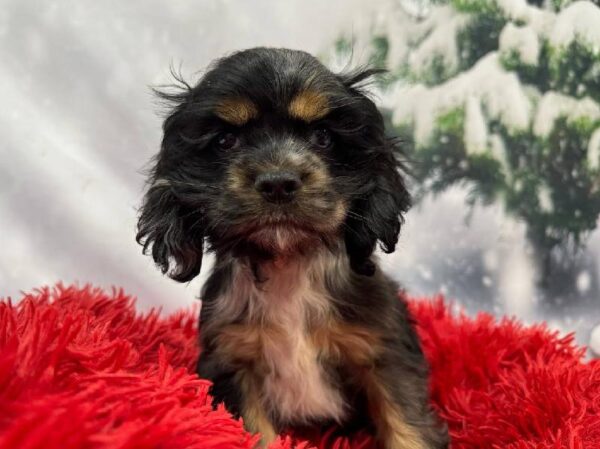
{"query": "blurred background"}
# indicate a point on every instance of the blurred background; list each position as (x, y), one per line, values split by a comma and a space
(497, 101)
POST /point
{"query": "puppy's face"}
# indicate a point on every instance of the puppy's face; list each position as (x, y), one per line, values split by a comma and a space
(273, 183)
(268, 155)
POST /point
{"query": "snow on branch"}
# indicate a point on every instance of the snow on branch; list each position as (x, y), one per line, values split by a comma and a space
(555, 105)
(497, 91)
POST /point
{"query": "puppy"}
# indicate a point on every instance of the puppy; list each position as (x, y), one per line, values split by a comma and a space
(281, 168)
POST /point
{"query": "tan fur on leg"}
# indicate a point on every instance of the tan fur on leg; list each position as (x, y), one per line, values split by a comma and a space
(360, 347)
(392, 429)
(254, 414)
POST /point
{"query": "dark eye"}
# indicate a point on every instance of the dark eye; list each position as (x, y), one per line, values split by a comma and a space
(226, 141)
(321, 137)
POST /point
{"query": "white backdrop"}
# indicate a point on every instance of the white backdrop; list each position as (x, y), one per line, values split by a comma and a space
(78, 125)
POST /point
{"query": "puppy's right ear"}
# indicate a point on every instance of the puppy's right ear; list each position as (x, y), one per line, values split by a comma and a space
(171, 222)
(172, 233)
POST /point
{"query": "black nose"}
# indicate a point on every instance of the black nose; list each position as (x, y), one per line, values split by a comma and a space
(278, 187)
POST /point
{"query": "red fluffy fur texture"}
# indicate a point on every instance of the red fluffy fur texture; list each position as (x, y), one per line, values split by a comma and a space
(80, 368)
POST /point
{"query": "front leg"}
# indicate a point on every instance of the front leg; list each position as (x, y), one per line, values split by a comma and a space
(225, 388)
(393, 430)
(256, 418)
(240, 347)
(396, 392)
(239, 391)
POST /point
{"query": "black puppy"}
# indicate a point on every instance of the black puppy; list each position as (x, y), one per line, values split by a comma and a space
(282, 169)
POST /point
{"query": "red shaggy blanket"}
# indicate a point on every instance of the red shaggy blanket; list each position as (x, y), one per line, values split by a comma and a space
(79, 368)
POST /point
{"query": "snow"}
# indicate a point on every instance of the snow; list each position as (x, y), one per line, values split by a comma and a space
(593, 152)
(520, 11)
(580, 20)
(440, 42)
(475, 127)
(415, 36)
(555, 105)
(424, 272)
(500, 93)
(516, 285)
(583, 282)
(521, 40)
(488, 92)
(403, 99)
(490, 260)
(514, 9)
(396, 28)
(545, 198)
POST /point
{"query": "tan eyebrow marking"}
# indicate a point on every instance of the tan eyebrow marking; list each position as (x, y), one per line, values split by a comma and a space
(236, 111)
(309, 105)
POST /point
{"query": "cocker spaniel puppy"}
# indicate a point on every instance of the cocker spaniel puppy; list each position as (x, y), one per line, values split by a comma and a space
(282, 169)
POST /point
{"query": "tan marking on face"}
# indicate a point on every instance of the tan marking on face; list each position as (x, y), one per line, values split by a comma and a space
(317, 173)
(236, 111)
(324, 214)
(309, 105)
(238, 180)
(341, 208)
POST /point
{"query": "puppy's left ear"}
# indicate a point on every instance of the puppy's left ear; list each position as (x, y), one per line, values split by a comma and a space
(172, 233)
(378, 215)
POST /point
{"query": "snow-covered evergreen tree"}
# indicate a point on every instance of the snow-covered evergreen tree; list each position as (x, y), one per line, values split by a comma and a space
(502, 96)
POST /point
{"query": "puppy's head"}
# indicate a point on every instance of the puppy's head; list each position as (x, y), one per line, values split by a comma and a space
(268, 155)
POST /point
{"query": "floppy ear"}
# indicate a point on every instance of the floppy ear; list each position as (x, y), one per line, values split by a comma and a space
(171, 225)
(172, 233)
(377, 215)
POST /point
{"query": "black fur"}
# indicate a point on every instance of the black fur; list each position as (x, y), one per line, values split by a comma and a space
(176, 218)
(201, 197)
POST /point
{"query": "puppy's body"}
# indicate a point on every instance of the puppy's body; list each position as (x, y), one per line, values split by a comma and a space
(282, 168)
(272, 325)
(312, 341)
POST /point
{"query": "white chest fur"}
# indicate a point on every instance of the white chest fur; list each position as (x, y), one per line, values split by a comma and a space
(292, 299)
